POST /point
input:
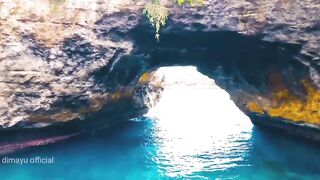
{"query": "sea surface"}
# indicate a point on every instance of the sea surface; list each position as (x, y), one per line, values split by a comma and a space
(194, 133)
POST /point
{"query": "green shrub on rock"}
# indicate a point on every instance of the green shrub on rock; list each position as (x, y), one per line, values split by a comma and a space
(158, 14)
(192, 2)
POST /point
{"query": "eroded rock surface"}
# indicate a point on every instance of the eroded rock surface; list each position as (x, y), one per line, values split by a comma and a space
(68, 59)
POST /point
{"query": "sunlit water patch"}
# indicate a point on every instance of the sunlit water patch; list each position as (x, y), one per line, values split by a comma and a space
(195, 132)
(198, 127)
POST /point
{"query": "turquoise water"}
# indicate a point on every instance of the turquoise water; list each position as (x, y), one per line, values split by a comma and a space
(198, 133)
(140, 150)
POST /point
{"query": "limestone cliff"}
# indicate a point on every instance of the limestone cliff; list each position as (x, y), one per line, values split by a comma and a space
(68, 59)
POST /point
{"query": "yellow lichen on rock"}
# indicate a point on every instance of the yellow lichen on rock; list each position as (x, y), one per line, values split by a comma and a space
(255, 107)
(285, 105)
(62, 116)
(145, 77)
(122, 94)
(151, 78)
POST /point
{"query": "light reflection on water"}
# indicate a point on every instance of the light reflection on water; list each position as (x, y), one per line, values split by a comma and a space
(199, 129)
(189, 143)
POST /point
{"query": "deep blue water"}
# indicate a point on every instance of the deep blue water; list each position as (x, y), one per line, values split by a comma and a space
(136, 150)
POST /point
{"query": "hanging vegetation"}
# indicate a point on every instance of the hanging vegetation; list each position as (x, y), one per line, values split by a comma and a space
(158, 14)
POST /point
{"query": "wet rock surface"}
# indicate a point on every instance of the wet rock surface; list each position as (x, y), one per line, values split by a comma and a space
(76, 60)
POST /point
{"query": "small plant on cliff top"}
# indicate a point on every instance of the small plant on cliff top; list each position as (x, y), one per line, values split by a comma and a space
(158, 14)
(55, 4)
(192, 2)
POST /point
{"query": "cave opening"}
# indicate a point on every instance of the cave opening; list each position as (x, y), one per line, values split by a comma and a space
(188, 95)
(270, 82)
(237, 80)
(194, 116)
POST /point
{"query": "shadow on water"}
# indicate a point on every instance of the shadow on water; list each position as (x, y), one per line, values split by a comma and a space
(282, 152)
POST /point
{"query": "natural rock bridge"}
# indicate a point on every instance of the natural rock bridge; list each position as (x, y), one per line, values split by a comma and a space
(78, 60)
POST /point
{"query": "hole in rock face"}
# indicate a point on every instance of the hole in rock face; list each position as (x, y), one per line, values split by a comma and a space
(196, 118)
